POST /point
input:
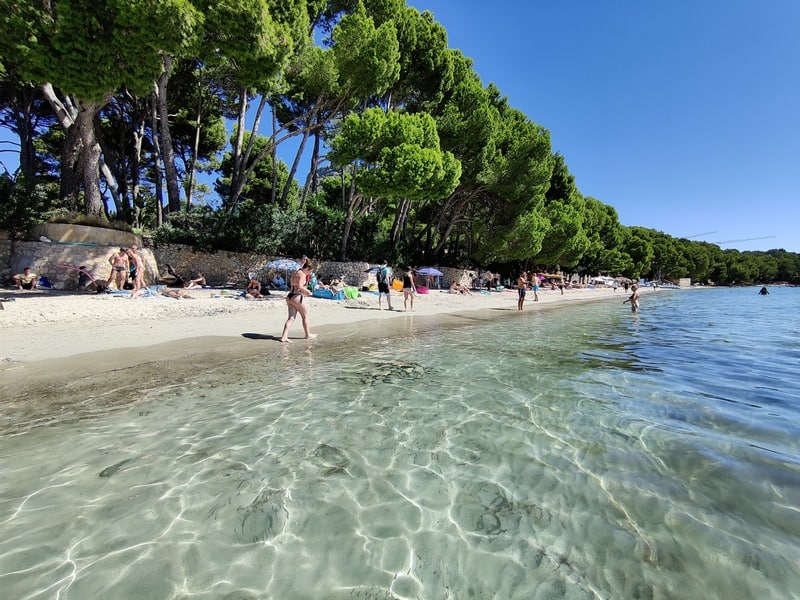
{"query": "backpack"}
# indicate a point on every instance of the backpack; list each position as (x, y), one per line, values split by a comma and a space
(382, 275)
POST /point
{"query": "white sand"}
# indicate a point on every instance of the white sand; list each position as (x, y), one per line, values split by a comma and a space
(43, 325)
(47, 334)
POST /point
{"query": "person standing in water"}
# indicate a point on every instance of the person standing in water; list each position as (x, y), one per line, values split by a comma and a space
(763, 291)
(409, 288)
(633, 299)
(522, 288)
(294, 301)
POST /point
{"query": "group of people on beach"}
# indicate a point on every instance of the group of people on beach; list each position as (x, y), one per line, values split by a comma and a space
(523, 281)
(127, 270)
(299, 289)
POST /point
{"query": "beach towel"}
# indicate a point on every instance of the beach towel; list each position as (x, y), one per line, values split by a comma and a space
(328, 294)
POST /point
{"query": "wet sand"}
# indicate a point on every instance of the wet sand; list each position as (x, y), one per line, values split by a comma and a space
(78, 353)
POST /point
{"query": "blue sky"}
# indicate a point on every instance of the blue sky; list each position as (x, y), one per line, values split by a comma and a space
(684, 115)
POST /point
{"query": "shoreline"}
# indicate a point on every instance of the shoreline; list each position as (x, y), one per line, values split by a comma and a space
(87, 352)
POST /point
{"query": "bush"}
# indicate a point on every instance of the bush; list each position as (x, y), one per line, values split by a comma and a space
(23, 204)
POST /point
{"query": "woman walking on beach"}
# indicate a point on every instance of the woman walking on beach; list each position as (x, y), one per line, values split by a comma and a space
(294, 301)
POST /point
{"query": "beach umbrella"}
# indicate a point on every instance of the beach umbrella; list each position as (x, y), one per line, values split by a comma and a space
(429, 271)
(283, 264)
(373, 270)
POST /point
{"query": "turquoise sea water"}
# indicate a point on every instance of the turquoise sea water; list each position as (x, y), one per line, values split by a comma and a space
(581, 452)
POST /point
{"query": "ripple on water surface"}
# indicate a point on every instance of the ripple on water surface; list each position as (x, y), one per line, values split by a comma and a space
(578, 453)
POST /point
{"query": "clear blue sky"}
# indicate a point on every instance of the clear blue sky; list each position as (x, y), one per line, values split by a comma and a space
(683, 115)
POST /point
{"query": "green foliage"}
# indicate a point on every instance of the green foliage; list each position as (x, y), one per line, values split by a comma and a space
(90, 48)
(254, 37)
(258, 188)
(24, 203)
(520, 242)
(367, 56)
(399, 154)
(252, 228)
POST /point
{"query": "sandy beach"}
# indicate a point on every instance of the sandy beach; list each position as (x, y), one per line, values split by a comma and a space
(52, 341)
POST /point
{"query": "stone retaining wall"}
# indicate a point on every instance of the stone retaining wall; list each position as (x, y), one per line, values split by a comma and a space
(79, 247)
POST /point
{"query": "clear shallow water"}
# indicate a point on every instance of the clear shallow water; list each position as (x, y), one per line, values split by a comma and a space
(581, 452)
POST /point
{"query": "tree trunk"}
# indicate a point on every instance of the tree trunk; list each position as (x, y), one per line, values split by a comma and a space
(167, 150)
(110, 172)
(90, 165)
(273, 193)
(243, 161)
(157, 162)
(400, 216)
(22, 113)
(295, 163)
(136, 161)
(66, 113)
(195, 151)
(69, 182)
(350, 217)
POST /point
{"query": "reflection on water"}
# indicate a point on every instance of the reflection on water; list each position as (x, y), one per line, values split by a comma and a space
(572, 453)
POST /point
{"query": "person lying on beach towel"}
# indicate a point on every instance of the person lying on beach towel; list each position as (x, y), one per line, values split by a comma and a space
(177, 294)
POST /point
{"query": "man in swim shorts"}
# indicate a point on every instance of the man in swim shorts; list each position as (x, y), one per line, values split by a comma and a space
(522, 288)
(119, 268)
(26, 280)
(383, 284)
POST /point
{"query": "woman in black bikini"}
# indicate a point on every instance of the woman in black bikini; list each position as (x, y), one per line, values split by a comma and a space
(294, 301)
